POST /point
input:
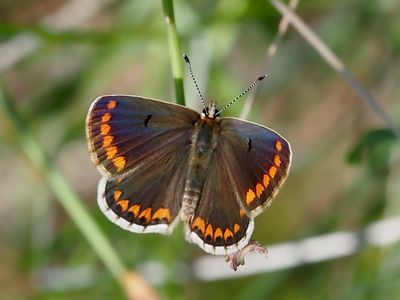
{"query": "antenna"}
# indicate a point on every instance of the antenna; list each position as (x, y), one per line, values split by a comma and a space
(259, 79)
(194, 79)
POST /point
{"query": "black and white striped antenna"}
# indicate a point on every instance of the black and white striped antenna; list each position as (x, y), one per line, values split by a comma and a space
(259, 79)
(186, 58)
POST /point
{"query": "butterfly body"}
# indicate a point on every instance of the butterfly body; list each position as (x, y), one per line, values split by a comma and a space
(162, 162)
(203, 142)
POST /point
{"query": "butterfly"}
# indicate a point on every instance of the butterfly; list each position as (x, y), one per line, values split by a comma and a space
(163, 162)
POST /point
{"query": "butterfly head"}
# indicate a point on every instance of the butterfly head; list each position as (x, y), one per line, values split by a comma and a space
(210, 112)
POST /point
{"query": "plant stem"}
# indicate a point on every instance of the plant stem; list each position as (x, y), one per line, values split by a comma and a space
(174, 50)
(63, 192)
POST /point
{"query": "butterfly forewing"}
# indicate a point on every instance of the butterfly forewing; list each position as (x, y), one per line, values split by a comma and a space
(142, 148)
(258, 161)
(123, 131)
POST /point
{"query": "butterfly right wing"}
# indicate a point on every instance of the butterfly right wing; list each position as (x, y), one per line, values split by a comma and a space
(141, 146)
(248, 165)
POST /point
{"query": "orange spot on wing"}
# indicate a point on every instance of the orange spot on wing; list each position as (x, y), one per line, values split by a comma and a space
(272, 171)
(218, 233)
(241, 212)
(162, 213)
(278, 145)
(199, 224)
(259, 189)
(266, 180)
(209, 231)
(123, 204)
(236, 228)
(117, 194)
(134, 209)
(119, 162)
(105, 129)
(106, 117)
(146, 214)
(107, 140)
(111, 104)
(277, 160)
(250, 196)
(111, 151)
(228, 234)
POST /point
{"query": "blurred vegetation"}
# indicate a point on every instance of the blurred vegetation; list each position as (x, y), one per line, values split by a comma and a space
(346, 164)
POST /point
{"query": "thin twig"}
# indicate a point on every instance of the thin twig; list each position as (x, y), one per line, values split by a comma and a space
(306, 251)
(282, 28)
(291, 254)
(174, 50)
(330, 57)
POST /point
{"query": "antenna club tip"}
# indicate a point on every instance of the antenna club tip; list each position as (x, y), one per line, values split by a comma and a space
(186, 58)
(262, 77)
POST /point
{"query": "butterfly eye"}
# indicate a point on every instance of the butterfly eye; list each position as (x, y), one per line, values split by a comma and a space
(205, 111)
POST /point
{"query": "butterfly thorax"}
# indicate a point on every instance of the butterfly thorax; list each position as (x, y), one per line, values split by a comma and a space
(203, 143)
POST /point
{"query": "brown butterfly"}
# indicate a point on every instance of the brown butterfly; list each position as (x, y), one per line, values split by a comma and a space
(162, 162)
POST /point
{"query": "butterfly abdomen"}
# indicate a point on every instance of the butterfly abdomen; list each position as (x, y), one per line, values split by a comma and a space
(204, 140)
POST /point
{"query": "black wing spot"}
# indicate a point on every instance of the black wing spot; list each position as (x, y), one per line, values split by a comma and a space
(147, 120)
(249, 145)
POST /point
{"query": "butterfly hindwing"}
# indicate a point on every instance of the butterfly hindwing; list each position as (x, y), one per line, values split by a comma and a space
(147, 200)
(220, 225)
(141, 146)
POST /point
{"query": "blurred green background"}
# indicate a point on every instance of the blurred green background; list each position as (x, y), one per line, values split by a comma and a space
(58, 56)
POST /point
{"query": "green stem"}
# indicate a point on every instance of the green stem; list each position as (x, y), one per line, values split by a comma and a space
(174, 50)
(63, 192)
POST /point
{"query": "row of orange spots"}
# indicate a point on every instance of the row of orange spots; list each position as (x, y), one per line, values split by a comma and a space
(160, 214)
(119, 162)
(260, 188)
(207, 231)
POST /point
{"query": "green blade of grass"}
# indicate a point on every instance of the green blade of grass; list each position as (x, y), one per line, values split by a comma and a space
(174, 50)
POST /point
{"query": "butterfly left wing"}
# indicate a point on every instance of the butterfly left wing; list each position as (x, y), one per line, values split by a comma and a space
(141, 147)
(249, 164)
(123, 131)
